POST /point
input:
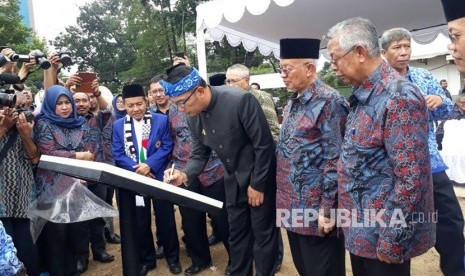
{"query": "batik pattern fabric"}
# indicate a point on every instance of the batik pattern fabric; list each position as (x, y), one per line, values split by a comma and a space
(9, 262)
(267, 104)
(429, 85)
(182, 150)
(307, 154)
(101, 128)
(385, 181)
(17, 187)
(61, 142)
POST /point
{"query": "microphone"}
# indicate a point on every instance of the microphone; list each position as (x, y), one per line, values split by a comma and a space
(6, 78)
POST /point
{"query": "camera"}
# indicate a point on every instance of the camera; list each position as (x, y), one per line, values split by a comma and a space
(3, 60)
(17, 57)
(41, 60)
(65, 56)
(28, 114)
(8, 99)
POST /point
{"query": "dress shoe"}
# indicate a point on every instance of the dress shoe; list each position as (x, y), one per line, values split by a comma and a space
(227, 271)
(81, 266)
(212, 240)
(175, 268)
(114, 239)
(160, 254)
(144, 269)
(111, 238)
(103, 257)
(194, 269)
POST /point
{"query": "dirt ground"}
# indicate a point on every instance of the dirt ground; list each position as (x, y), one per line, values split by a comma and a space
(425, 265)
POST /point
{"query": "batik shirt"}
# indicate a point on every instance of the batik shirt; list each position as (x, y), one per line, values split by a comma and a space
(267, 104)
(9, 262)
(428, 85)
(182, 150)
(101, 129)
(385, 167)
(62, 142)
(307, 153)
(17, 187)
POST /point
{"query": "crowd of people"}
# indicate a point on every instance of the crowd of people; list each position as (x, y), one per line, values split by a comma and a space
(362, 174)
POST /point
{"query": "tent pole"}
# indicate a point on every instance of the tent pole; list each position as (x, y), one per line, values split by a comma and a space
(201, 53)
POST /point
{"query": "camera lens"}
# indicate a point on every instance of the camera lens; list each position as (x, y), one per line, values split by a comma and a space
(3, 60)
(8, 100)
(66, 60)
(43, 62)
(17, 57)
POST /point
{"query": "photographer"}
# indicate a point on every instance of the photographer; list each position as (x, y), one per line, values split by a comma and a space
(18, 153)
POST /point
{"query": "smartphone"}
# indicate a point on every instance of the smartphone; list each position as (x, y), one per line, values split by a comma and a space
(86, 84)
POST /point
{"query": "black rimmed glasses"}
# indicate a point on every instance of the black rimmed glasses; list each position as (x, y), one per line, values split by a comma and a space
(287, 70)
(335, 61)
(183, 103)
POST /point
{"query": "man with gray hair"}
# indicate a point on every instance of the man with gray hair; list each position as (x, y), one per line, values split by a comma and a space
(307, 154)
(396, 49)
(238, 75)
(384, 172)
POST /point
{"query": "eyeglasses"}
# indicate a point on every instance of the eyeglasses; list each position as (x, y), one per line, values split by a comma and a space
(454, 37)
(335, 61)
(157, 91)
(183, 103)
(232, 81)
(287, 70)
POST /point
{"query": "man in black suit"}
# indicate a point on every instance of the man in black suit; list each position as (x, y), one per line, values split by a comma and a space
(232, 123)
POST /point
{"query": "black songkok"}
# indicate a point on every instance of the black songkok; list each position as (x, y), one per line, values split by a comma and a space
(453, 9)
(133, 90)
(217, 79)
(299, 48)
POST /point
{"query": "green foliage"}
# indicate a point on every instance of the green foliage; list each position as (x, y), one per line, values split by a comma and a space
(15, 34)
(329, 77)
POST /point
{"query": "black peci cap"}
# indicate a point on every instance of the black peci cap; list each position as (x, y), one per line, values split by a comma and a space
(453, 9)
(133, 90)
(291, 48)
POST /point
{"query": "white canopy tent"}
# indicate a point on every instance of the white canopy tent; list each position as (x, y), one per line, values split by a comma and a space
(261, 23)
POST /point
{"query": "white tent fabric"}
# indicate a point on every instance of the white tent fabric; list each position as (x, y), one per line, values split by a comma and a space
(261, 23)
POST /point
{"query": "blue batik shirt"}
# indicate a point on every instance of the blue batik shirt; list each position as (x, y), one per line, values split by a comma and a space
(429, 85)
(9, 263)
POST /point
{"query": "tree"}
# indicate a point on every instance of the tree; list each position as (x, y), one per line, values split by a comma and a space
(15, 34)
(328, 76)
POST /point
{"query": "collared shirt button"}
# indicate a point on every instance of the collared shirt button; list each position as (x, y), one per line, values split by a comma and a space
(213, 131)
(220, 146)
(227, 160)
(207, 115)
(236, 172)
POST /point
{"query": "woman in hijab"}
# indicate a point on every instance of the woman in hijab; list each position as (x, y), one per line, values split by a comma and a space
(59, 131)
(118, 107)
